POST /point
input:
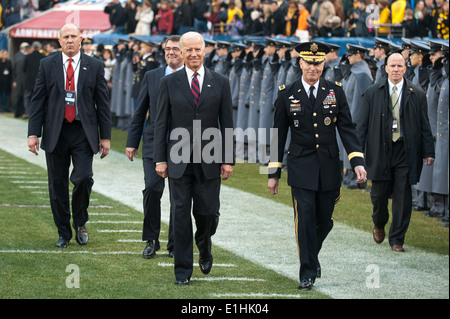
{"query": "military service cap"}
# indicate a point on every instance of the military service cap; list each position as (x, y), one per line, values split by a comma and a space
(238, 46)
(148, 43)
(382, 44)
(223, 44)
(395, 48)
(269, 41)
(312, 52)
(354, 49)
(435, 46)
(87, 41)
(280, 44)
(209, 43)
(406, 43)
(333, 47)
(418, 47)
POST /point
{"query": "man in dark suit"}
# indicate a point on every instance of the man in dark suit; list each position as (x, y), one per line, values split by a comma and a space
(145, 114)
(31, 68)
(190, 102)
(313, 108)
(70, 108)
(395, 133)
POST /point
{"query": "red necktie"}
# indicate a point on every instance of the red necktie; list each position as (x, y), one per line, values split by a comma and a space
(195, 88)
(69, 113)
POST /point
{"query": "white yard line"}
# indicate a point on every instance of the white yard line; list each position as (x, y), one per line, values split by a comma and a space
(261, 231)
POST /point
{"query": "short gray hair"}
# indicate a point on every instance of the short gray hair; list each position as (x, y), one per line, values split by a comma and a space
(191, 35)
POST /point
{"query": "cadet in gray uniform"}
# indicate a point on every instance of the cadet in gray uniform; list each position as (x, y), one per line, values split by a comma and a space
(223, 63)
(243, 103)
(381, 51)
(355, 85)
(330, 71)
(437, 73)
(441, 164)
(418, 74)
(254, 97)
(294, 71)
(237, 56)
(270, 69)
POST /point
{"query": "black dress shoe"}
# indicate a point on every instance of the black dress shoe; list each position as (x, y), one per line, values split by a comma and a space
(172, 253)
(206, 265)
(306, 284)
(82, 236)
(62, 242)
(184, 282)
(150, 249)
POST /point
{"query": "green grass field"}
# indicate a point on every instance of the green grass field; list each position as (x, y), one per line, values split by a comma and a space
(111, 265)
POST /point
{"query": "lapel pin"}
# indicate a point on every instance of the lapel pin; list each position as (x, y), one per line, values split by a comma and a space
(84, 68)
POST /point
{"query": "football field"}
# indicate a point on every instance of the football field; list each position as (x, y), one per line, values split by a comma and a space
(255, 253)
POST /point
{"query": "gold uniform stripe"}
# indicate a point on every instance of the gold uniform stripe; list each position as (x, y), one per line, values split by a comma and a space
(355, 154)
(275, 164)
(296, 228)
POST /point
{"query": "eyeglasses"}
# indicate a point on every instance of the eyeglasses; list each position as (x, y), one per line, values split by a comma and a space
(174, 49)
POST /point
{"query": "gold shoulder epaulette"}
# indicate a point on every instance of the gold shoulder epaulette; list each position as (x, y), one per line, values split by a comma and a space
(281, 87)
(338, 83)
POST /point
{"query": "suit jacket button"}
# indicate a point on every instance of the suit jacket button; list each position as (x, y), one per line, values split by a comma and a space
(317, 146)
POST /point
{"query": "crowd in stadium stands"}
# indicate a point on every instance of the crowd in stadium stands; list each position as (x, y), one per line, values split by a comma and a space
(338, 18)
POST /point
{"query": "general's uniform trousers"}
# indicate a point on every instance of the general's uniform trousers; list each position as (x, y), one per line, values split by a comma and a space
(312, 215)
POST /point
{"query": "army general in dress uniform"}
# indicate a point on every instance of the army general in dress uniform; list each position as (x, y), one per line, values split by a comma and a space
(314, 172)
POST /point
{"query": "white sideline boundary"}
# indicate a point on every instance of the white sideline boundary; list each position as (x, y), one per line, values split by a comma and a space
(262, 231)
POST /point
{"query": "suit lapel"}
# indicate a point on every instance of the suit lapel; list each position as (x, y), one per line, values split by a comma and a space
(184, 86)
(58, 72)
(82, 74)
(206, 88)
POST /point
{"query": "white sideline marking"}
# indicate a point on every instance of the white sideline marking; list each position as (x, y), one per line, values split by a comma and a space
(63, 251)
(118, 231)
(21, 205)
(24, 205)
(29, 182)
(113, 222)
(255, 295)
(215, 265)
(107, 214)
(137, 241)
(227, 278)
(33, 187)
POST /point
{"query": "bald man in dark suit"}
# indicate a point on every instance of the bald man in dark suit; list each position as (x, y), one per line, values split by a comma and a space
(70, 109)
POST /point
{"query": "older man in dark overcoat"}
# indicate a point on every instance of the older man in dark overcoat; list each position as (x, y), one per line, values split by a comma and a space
(396, 136)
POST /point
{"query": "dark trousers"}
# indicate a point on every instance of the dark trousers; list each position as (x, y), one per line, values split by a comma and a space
(154, 188)
(74, 147)
(400, 190)
(312, 215)
(193, 190)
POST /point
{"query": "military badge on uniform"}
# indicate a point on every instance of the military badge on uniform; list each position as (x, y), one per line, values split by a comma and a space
(330, 99)
(296, 123)
(327, 121)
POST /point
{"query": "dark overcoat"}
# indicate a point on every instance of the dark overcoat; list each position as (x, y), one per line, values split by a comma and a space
(374, 127)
